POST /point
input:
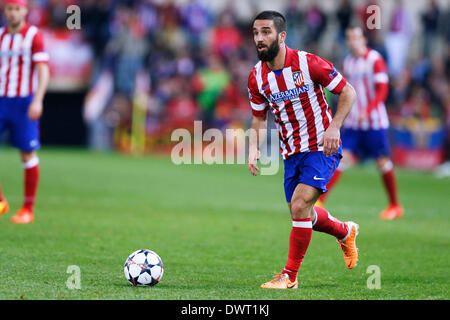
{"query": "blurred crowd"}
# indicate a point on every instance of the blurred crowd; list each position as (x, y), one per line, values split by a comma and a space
(197, 59)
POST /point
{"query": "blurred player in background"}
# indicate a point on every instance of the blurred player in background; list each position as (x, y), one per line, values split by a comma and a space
(365, 129)
(291, 84)
(24, 76)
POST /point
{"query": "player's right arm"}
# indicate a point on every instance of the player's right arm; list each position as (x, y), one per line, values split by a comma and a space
(40, 64)
(324, 73)
(258, 129)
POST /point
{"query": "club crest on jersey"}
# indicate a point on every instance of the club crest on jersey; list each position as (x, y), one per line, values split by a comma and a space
(298, 78)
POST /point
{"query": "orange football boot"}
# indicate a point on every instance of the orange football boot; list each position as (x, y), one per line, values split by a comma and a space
(23, 216)
(348, 246)
(280, 281)
(392, 212)
(4, 207)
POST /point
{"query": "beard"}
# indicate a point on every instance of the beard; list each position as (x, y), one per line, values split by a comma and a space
(14, 23)
(271, 53)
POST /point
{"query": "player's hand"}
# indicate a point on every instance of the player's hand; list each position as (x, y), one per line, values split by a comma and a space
(35, 110)
(252, 161)
(364, 113)
(363, 116)
(330, 140)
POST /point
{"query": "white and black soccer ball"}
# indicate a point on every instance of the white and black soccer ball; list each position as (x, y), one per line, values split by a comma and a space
(143, 268)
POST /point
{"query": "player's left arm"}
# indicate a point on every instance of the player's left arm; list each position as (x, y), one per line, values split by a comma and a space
(40, 63)
(381, 79)
(36, 106)
(324, 73)
(331, 137)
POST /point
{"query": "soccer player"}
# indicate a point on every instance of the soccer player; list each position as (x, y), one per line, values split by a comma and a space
(364, 133)
(291, 84)
(24, 76)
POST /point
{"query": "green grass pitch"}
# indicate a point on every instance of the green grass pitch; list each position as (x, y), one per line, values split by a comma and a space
(219, 231)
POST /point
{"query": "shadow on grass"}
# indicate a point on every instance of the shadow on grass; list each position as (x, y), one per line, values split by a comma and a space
(191, 286)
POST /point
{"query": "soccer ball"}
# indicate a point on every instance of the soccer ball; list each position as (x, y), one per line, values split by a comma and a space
(143, 268)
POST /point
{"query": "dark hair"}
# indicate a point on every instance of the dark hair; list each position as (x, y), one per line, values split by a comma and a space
(278, 19)
(357, 26)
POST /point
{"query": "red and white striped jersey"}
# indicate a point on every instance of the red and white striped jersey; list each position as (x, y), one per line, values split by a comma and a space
(296, 97)
(19, 53)
(368, 75)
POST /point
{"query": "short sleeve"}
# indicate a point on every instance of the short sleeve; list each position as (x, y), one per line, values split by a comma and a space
(37, 49)
(323, 72)
(257, 101)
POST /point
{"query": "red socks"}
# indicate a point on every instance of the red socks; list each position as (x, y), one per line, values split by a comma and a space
(325, 222)
(31, 180)
(298, 244)
(301, 237)
(389, 183)
(334, 178)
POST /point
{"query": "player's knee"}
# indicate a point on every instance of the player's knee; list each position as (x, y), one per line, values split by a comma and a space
(27, 155)
(343, 166)
(384, 164)
(301, 209)
(348, 159)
